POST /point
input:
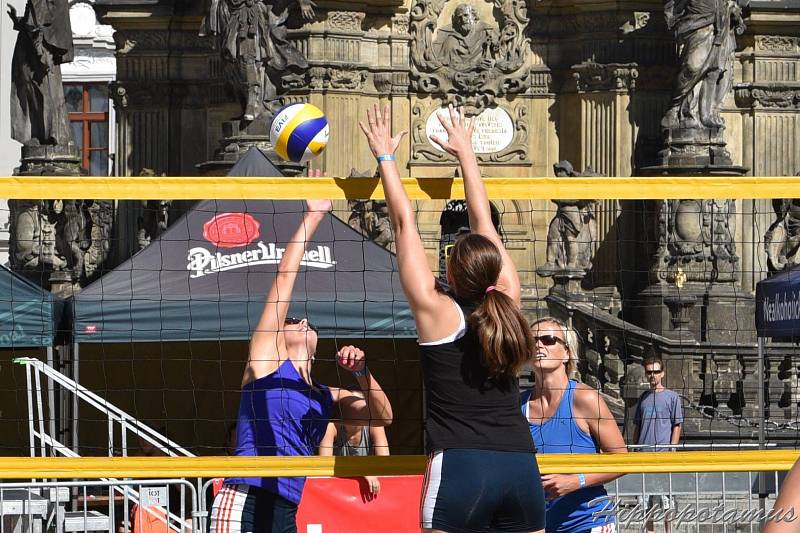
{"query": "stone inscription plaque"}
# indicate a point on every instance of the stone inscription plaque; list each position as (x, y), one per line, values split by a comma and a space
(494, 130)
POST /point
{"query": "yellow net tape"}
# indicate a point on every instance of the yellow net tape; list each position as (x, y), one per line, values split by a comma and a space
(531, 188)
(179, 467)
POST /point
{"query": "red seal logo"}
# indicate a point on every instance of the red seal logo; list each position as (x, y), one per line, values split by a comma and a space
(231, 230)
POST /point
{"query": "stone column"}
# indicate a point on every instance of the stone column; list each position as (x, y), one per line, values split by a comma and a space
(604, 133)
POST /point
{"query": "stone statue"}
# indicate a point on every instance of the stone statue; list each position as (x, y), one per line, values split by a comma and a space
(71, 237)
(33, 226)
(72, 240)
(468, 44)
(44, 42)
(371, 218)
(252, 38)
(572, 231)
(100, 214)
(705, 31)
(782, 240)
(154, 221)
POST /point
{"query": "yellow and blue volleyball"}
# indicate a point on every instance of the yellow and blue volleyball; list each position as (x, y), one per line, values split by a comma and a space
(299, 132)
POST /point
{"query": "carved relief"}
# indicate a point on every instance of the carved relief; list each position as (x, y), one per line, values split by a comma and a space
(697, 238)
(591, 76)
(770, 96)
(345, 20)
(61, 235)
(345, 77)
(469, 61)
(422, 150)
(400, 23)
(777, 43)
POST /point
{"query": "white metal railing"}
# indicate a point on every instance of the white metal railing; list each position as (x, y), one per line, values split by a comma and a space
(42, 428)
(69, 506)
(114, 415)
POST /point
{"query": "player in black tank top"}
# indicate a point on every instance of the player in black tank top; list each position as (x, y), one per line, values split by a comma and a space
(482, 472)
(466, 407)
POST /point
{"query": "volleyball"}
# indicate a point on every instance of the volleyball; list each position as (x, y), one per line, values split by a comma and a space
(299, 132)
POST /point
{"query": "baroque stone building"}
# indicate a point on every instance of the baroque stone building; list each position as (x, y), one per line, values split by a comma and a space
(551, 80)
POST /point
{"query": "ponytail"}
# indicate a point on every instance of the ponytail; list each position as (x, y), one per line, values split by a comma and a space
(473, 267)
(503, 333)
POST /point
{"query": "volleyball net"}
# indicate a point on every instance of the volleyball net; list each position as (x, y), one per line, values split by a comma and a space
(640, 267)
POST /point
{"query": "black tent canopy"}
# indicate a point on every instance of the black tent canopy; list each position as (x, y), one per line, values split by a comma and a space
(29, 315)
(206, 277)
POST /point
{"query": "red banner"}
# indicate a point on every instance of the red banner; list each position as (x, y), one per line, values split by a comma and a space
(344, 505)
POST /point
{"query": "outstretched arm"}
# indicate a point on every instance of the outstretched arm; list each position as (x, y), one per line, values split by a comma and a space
(267, 345)
(416, 277)
(459, 143)
(374, 408)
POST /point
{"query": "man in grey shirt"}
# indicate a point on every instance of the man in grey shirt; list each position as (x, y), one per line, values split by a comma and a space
(658, 420)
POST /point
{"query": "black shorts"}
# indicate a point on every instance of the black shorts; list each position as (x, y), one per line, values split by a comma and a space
(470, 491)
(246, 509)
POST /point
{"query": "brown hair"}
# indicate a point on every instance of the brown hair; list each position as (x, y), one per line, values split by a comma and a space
(653, 359)
(473, 267)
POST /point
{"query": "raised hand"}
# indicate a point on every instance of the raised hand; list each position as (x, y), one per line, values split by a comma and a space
(351, 358)
(307, 9)
(379, 131)
(319, 206)
(459, 132)
(12, 12)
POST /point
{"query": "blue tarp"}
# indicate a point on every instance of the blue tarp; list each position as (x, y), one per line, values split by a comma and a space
(778, 305)
(29, 315)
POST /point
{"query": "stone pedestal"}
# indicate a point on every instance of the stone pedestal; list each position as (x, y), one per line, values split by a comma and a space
(567, 283)
(696, 249)
(49, 160)
(695, 147)
(680, 306)
(238, 138)
(38, 228)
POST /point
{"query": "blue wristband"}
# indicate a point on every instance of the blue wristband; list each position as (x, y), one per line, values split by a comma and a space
(582, 480)
(385, 157)
(361, 373)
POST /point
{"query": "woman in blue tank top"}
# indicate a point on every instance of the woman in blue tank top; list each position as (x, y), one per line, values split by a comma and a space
(569, 417)
(282, 411)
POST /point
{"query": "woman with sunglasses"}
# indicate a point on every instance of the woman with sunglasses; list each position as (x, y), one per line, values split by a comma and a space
(565, 416)
(482, 472)
(282, 410)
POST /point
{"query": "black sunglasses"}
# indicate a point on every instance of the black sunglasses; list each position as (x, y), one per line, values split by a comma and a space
(652, 372)
(549, 340)
(295, 320)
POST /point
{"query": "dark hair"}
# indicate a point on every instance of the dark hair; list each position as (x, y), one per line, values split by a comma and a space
(653, 359)
(473, 266)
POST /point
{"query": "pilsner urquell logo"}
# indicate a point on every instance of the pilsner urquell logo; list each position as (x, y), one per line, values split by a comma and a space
(231, 230)
(239, 230)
